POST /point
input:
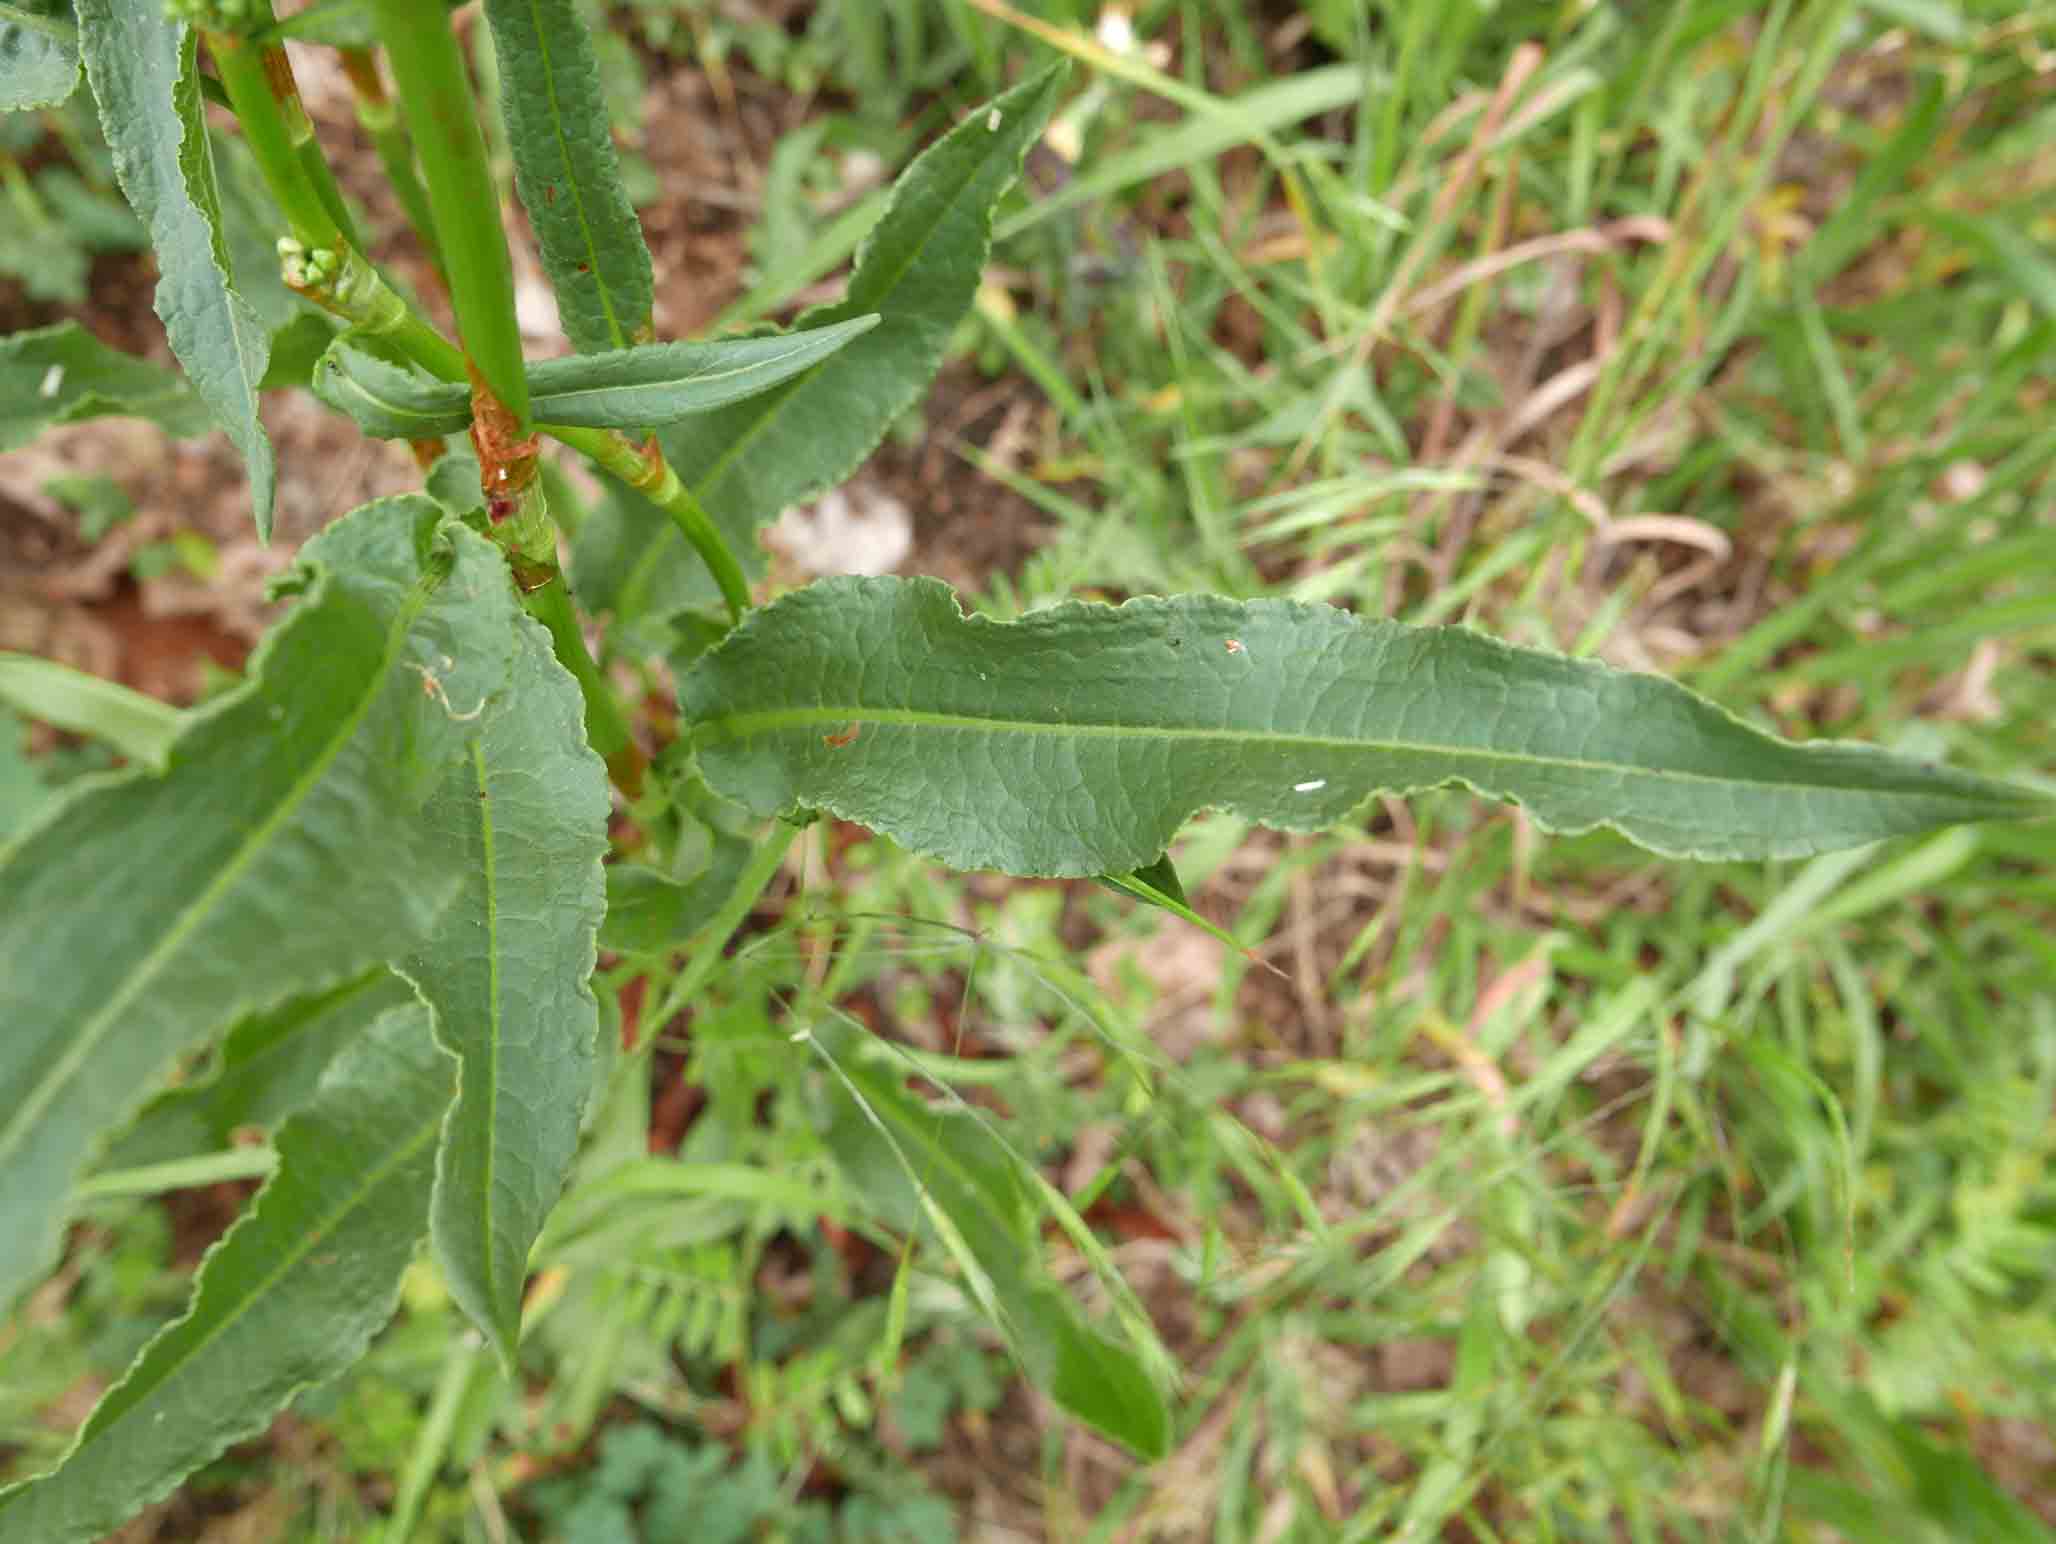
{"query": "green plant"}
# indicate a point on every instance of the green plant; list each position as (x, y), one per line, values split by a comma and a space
(410, 888)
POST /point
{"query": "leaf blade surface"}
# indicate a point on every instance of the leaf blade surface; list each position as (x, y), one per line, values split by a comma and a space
(568, 173)
(289, 1297)
(1077, 740)
(62, 374)
(268, 1065)
(147, 83)
(943, 1172)
(658, 383)
(524, 817)
(661, 383)
(275, 856)
(388, 398)
(39, 60)
(139, 727)
(918, 270)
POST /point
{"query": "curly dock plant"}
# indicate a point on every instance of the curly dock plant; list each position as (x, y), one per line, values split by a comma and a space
(386, 848)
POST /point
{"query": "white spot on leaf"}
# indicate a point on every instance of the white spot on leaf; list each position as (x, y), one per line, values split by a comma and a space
(53, 381)
(993, 121)
(1311, 785)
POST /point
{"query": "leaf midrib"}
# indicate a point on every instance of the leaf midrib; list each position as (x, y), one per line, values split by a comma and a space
(743, 726)
(585, 230)
(633, 388)
(49, 26)
(289, 1260)
(489, 861)
(31, 1109)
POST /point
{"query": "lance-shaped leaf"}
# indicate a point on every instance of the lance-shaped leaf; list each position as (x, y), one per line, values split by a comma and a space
(631, 388)
(524, 817)
(918, 270)
(266, 1068)
(140, 728)
(1077, 740)
(144, 77)
(387, 395)
(289, 1297)
(61, 374)
(39, 59)
(661, 383)
(277, 855)
(568, 174)
(943, 1172)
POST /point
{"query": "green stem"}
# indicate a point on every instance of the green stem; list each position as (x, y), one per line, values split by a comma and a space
(644, 469)
(433, 1437)
(342, 280)
(606, 720)
(315, 164)
(435, 100)
(713, 951)
(380, 120)
(268, 130)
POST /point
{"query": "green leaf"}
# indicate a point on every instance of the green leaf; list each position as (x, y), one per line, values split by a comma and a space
(22, 791)
(524, 818)
(39, 60)
(1077, 740)
(266, 1069)
(632, 388)
(277, 855)
(918, 270)
(2023, 261)
(332, 23)
(1158, 885)
(290, 1297)
(296, 348)
(141, 728)
(649, 911)
(453, 481)
(661, 383)
(62, 373)
(387, 395)
(943, 1171)
(568, 174)
(144, 77)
